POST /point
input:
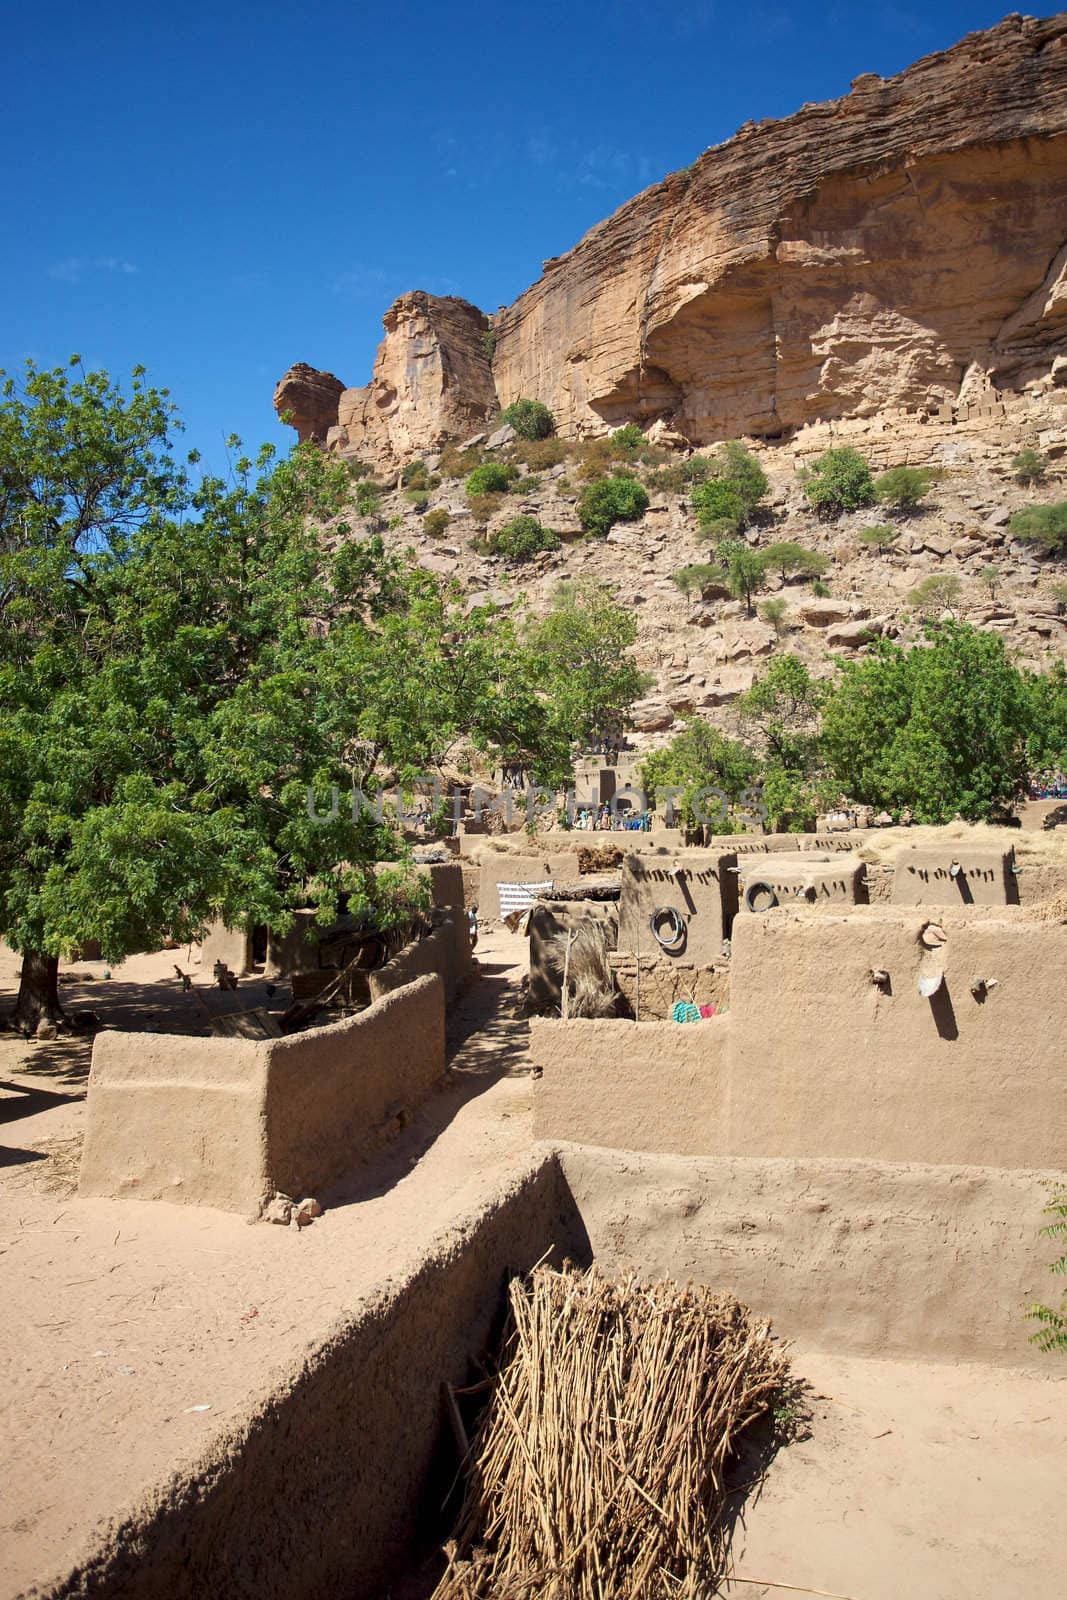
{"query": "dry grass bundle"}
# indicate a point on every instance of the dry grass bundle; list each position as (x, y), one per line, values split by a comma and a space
(598, 1467)
(604, 858)
(580, 956)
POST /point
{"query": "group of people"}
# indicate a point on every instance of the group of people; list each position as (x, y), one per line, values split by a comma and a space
(601, 819)
(1048, 786)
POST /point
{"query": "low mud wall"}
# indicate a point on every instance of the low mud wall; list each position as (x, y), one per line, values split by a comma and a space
(225, 1122)
(823, 1061)
(445, 952)
(873, 1258)
(326, 1489)
(631, 1086)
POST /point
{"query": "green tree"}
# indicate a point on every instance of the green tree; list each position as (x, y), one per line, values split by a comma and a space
(166, 695)
(796, 560)
(943, 729)
(580, 653)
(523, 538)
(700, 757)
(780, 713)
(840, 480)
(879, 537)
(492, 477)
(746, 570)
(529, 418)
(1029, 467)
(1044, 526)
(705, 577)
(719, 507)
(991, 578)
(903, 488)
(940, 592)
(609, 500)
(775, 612)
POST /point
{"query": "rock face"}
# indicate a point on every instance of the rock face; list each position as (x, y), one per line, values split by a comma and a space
(903, 248)
(432, 381)
(311, 399)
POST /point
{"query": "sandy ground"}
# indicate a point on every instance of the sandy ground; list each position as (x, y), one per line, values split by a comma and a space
(918, 1482)
(132, 1333)
(123, 1319)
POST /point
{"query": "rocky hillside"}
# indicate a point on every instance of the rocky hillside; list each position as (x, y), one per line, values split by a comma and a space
(702, 651)
(903, 249)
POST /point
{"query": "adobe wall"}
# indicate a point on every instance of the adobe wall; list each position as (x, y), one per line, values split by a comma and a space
(813, 1058)
(172, 1118)
(232, 946)
(446, 951)
(225, 1122)
(869, 1257)
(824, 1062)
(665, 982)
(633, 1086)
(806, 876)
(955, 873)
(327, 1486)
(333, 1093)
(704, 895)
(501, 866)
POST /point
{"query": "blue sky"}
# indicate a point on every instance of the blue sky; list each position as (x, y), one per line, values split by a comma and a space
(217, 191)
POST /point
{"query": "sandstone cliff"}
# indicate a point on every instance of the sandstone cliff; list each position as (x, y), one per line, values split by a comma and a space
(310, 397)
(903, 248)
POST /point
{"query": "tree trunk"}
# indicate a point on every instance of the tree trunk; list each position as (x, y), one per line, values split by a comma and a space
(38, 998)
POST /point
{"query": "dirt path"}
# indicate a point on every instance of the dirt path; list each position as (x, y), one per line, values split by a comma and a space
(122, 1319)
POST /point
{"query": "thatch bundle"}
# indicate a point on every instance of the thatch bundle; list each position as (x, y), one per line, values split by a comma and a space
(580, 956)
(598, 1467)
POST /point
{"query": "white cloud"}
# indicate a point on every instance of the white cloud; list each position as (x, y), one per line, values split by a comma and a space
(75, 268)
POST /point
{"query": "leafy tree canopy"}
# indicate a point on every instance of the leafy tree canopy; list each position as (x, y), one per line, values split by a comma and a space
(609, 500)
(1045, 526)
(941, 729)
(700, 757)
(180, 660)
(581, 654)
(530, 419)
(840, 480)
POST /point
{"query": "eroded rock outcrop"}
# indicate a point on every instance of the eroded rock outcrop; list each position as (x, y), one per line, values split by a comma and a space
(310, 397)
(903, 248)
(432, 381)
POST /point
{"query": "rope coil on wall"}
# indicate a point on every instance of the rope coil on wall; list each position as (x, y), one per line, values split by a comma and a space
(672, 942)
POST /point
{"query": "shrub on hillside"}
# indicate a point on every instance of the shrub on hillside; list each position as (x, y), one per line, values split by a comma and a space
(719, 507)
(484, 506)
(1029, 466)
(628, 439)
(840, 480)
(878, 537)
(796, 560)
(435, 522)
(702, 577)
(456, 463)
(1045, 526)
(939, 593)
(610, 500)
(539, 454)
(903, 488)
(529, 418)
(522, 538)
(492, 477)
